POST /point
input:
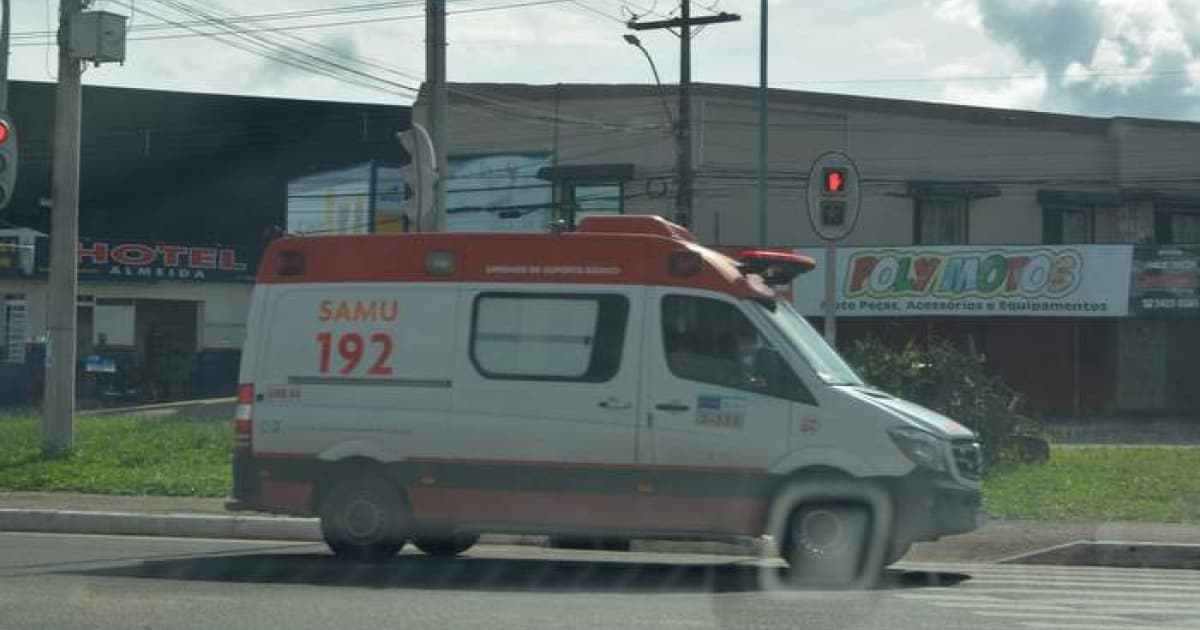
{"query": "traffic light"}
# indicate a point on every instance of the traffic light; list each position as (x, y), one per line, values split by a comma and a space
(833, 213)
(833, 181)
(8, 159)
(420, 175)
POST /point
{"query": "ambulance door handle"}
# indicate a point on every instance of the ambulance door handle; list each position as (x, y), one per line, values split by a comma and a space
(672, 406)
(615, 404)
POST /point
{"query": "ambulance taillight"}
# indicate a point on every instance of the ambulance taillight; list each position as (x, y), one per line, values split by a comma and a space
(243, 419)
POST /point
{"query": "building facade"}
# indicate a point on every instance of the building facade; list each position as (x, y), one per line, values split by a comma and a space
(1109, 206)
(178, 192)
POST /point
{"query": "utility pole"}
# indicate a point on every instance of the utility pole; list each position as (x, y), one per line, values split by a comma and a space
(5, 26)
(762, 125)
(58, 409)
(683, 131)
(435, 82)
(683, 196)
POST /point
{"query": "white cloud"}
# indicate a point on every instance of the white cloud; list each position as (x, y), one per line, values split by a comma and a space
(965, 12)
(901, 52)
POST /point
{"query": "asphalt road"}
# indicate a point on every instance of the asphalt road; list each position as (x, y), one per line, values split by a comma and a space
(69, 581)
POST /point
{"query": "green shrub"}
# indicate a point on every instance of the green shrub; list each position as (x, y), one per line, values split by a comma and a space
(948, 380)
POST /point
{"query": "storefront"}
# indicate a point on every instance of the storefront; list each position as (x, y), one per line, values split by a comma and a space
(1046, 319)
(1161, 347)
(154, 320)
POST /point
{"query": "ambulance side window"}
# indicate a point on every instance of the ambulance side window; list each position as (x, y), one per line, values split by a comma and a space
(562, 337)
(710, 341)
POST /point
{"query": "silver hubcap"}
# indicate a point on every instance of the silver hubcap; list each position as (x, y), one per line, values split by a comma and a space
(821, 532)
(362, 518)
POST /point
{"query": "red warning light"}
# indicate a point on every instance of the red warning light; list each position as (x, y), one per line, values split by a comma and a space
(835, 181)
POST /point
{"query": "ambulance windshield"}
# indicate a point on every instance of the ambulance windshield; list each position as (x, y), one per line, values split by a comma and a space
(824, 360)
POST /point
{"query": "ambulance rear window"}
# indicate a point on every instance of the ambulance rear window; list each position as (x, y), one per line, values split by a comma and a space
(573, 337)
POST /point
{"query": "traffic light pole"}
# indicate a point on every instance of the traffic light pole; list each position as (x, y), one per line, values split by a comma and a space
(58, 410)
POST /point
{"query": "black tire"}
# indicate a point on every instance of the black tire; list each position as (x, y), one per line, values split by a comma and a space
(364, 518)
(445, 546)
(825, 543)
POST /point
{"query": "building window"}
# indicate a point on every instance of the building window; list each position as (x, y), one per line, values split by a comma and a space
(1182, 228)
(941, 221)
(1076, 226)
(710, 341)
(548, 337)
(1072, 225)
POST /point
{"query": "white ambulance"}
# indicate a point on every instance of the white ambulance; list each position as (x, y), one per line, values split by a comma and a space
(619, 381)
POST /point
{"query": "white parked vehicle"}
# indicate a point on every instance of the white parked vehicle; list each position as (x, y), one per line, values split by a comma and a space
(620, 381)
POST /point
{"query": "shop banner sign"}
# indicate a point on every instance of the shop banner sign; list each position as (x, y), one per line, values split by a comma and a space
(1166, 280)
(973, 281)
(135, 261)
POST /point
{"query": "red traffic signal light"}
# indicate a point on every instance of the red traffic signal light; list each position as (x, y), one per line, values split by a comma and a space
(5, 132)
(834, 181)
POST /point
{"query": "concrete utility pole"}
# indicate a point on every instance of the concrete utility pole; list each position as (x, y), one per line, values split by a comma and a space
(5, 26)
(762, 125)
(58, 410)
(435, 82)
(683, 132)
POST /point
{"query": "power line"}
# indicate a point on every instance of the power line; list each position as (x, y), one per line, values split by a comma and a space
(259, 17)
(282, 53)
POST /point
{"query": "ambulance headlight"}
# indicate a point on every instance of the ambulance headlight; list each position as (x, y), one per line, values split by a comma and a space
(922, 448)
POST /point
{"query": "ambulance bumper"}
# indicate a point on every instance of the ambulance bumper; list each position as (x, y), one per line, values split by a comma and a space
(930, 505)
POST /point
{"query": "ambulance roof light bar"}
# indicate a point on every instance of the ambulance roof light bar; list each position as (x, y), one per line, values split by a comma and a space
(775, 268)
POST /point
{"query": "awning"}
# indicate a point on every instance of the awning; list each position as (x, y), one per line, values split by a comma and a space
(968, 190)
(596, 173)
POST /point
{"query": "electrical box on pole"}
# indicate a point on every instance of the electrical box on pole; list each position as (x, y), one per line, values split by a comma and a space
(8, 159)
(97, 36)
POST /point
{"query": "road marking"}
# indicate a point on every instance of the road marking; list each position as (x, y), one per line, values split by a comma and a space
(1099, 576)
(1086, 595)
(1095, 626)
(1069, 584)
(1012, 603)
(1045, 615)
(1071, 598)
(945, 597)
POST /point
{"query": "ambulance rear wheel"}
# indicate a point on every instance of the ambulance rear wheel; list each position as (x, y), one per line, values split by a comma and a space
(364, 518)
(445, 546)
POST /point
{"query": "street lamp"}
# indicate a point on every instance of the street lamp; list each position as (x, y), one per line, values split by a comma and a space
(633, 40)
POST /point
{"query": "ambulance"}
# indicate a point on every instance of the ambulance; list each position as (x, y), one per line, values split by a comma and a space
(615, 382)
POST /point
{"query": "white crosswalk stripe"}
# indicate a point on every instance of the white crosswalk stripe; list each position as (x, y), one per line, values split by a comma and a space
(1068, 598)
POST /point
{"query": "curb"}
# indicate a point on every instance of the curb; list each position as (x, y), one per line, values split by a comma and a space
(141, 524)
(157, 407)
(1113, 553)
(185, 525)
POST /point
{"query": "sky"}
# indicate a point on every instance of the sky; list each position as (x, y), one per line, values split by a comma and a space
(1091, 57)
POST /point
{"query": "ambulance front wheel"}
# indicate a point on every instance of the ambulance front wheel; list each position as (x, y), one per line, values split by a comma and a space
(364, 518)
(825, 543)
